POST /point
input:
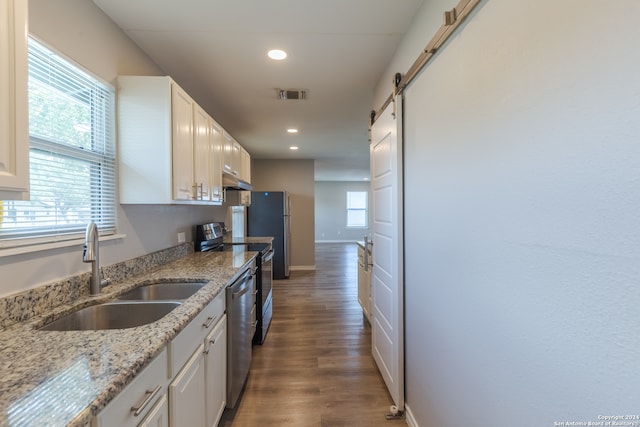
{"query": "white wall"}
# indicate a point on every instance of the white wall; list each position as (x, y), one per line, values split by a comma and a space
(82, 33)
(331, 211)
(523, 248)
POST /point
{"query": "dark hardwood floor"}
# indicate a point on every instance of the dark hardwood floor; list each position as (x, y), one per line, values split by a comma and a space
(315, 367)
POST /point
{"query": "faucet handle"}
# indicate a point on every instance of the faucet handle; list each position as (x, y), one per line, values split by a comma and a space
(105, 280)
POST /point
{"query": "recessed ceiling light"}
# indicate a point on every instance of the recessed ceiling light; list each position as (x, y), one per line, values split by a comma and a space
(292, 130)
(293, 147)
(277, 54)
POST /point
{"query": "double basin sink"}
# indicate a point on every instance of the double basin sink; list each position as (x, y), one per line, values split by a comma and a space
(139, 306)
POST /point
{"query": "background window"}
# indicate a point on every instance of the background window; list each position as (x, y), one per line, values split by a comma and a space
(71, 153)
(356, 208)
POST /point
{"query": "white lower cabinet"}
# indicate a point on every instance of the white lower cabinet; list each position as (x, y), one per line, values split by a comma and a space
(364, 283)
(185, 385)
(215, 367)
(186, 393)
(159, 414)
(197, 394)
(137, 400)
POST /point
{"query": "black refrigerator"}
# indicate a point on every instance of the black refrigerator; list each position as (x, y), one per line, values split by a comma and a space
(269, 215)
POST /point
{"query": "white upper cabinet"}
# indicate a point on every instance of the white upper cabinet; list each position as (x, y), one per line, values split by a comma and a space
(14, 127)
(231, 150)
(215, 161)
(170, 149)
(237, 161)
(165, 144)
(245, 165)
(202, 153)
(182, 128)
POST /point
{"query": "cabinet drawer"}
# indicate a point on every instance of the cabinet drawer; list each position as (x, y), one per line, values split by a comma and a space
(142, 393)
(184, 344)
(159, 414)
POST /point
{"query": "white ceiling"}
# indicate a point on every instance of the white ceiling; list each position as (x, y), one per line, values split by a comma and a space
(216, 50)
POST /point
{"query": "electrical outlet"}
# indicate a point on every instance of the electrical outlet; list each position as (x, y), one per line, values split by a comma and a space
(182, 237)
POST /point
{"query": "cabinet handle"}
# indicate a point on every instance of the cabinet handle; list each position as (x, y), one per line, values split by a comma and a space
(212, 342)
(149, 395)
(199, 190)
(209, 321)
(185, 191)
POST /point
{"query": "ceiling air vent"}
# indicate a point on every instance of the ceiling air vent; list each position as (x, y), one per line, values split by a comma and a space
(285, 94)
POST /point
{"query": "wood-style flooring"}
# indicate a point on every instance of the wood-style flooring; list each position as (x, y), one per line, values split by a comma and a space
(315, 367)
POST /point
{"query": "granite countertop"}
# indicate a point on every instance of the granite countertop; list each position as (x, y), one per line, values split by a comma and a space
(54, 378)
(246, 239)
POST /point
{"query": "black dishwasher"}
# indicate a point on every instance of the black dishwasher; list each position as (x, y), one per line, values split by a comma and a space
(240, 299)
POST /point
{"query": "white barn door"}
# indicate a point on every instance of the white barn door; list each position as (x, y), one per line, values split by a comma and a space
(387, 318)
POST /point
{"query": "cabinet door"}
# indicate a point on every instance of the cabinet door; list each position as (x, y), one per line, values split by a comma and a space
(182, 144)
(216, 372)
(201, 151)
(158, 416)
(364, 287)
(187, 393)
(245, 165)
(215, 161)
(227, 161)
(14, 130)
(138, 399)
(236, 158)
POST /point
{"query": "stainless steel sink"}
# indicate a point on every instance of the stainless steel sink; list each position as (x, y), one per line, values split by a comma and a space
(115, 315)
(163, 291)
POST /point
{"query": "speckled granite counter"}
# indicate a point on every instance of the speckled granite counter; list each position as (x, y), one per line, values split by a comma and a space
(247, 239)
(51, 378)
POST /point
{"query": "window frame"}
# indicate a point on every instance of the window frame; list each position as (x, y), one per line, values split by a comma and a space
(33, 237)
(365, 209)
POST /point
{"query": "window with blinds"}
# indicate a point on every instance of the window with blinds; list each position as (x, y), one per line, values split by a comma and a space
(71, 154)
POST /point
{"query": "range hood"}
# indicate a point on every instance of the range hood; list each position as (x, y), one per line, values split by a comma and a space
(232, 182)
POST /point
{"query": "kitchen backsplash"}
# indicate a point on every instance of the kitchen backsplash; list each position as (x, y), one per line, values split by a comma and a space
(25, 305)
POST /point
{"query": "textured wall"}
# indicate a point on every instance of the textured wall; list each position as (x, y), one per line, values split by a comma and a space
(523, 247)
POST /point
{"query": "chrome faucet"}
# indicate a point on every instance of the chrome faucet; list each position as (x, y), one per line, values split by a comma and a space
(91, 254)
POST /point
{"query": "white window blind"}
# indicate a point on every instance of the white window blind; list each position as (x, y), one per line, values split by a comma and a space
(71, 154)
(356, 208)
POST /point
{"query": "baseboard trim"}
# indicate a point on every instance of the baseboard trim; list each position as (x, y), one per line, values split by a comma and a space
(408, 416)
(302, 267)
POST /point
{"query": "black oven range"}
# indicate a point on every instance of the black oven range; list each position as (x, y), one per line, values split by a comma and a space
(210, 237)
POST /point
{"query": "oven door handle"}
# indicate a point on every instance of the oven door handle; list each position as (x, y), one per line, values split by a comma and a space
(268, 256)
